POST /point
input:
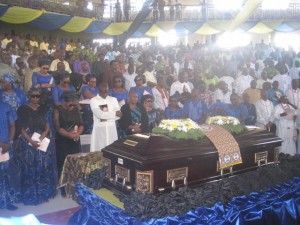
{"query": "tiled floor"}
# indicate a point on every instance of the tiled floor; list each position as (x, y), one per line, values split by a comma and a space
(53, 205)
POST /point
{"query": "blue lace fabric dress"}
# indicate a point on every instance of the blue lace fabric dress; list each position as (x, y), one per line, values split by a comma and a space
(37, 173)
(120, 96)
(87, 114)
(8, 191)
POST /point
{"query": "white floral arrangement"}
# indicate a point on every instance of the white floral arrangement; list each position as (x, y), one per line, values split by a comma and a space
(222, 120)
(180, 129)
(232, 124)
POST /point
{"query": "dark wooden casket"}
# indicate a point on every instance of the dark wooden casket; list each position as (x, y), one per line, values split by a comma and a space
(156, 163)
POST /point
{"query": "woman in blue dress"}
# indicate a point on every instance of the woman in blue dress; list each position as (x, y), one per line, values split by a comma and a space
(118, 91)
(140, 89)
(88, 91)
(8, 195)
(121, 94)
(58, 90)
(44, 81)
(173, 110)
(36, 166)
(15, 97)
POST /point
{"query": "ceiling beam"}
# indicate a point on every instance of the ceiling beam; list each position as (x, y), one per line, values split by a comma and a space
(249, 7)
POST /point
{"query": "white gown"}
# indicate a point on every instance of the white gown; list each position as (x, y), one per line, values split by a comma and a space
(264, 111)
(285, 129)
(104, 130)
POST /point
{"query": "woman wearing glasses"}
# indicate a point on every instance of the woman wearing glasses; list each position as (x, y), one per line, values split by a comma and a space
(69, 127)
(63, 85)
(121, 94)
(44, 81)
(88, 91)
(140, 89)
(35, 162)
(118, 91)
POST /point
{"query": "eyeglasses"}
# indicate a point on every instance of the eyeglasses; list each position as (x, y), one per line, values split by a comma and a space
(138, 79)
(148, 100)
(72, 105)
(45, 68)
(118, 81)
(35, 96)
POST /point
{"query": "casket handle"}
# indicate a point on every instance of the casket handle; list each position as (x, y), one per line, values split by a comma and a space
(230, 171)
(261, 157)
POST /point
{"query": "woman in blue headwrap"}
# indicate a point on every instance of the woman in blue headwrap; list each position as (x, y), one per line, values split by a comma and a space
(15, 97)
(35, 163)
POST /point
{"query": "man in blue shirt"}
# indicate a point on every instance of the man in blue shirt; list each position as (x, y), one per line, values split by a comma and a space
(195, 109)
(236, 109)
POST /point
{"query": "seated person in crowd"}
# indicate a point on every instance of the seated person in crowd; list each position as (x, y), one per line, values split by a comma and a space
(118, 90)
(140, 89)
(195, 108)
(58, 90)
(236, 109)
(134, 116)
(222, 94)
(173, 110)
(181, 85)
(147, 101)
(275, 93)
(218, 109)
(149, 75)
(161, 96)
(251, 119)
(264, 108)
(253, 92)
(205, 95)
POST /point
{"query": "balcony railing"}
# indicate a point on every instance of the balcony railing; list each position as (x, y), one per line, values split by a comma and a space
(181, 13)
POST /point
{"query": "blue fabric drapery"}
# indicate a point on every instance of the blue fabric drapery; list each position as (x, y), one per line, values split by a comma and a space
(142, 30)
(279, 205)
(186, 28)
(50, 21)
(97, 27)
(3, 9)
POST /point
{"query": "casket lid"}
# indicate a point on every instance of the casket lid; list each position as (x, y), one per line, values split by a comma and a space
(143, 147)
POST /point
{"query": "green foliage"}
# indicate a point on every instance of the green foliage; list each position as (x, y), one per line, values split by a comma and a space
(234, 129)
(193, 134)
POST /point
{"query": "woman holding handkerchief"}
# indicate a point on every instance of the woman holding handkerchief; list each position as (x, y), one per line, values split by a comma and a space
(32, 155)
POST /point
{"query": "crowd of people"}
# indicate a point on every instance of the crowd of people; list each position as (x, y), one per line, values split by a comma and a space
(49, 97)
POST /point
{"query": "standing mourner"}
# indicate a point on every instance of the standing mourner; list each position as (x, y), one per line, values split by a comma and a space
(284, 115)
(106, 111)
(7, 123)
(69, 127)
(36, 166)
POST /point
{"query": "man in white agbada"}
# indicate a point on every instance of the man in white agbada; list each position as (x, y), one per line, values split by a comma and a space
(284, 115)
(264, 108)
(106, 111)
